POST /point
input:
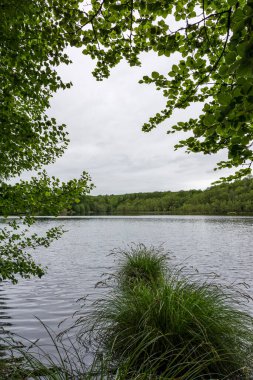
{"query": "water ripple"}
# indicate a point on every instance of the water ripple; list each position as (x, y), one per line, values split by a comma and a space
(76, 262)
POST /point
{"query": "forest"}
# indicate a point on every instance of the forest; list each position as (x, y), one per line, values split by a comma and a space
(233, 198)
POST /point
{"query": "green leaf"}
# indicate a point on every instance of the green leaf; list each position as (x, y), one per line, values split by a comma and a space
(224, 98)
(232, 2)
(230, 57)
(155, 74)
(209, 120)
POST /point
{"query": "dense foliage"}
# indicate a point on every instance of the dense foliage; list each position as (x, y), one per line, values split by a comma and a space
(30, 46)
(215, 42)
(213, 38)
(235, 197)
(33, 37)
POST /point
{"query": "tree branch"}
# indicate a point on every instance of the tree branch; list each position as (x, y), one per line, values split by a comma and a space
(216, 63)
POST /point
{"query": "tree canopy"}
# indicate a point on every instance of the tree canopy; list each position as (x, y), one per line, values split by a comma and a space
(32, 46)
(215, 42)
(33, 36)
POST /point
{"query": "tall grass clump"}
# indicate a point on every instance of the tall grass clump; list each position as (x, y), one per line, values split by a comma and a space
(177, 329)
(162, 324)
(139, 264)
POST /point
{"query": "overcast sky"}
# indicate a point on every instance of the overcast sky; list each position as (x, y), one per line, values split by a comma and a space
(104, 122)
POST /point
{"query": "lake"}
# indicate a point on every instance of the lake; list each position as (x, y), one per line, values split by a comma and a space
(221, 245)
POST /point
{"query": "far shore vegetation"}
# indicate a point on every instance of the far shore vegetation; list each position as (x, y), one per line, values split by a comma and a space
(226, 199)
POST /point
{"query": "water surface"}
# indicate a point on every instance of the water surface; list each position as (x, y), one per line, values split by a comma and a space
(76, 262)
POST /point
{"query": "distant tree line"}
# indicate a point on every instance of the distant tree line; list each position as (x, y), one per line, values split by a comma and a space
(236, 197)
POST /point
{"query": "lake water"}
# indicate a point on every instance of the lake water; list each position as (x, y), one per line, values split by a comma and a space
(76, 262)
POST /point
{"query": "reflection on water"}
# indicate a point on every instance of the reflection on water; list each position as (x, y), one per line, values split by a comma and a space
(76, 262)
(5, 319)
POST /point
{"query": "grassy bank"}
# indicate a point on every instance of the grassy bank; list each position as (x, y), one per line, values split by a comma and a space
(156, 323)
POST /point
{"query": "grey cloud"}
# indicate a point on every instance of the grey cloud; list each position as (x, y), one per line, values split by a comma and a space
(104, 121)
